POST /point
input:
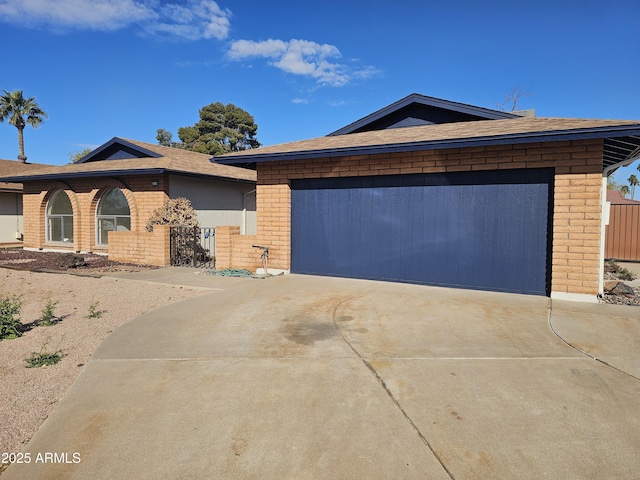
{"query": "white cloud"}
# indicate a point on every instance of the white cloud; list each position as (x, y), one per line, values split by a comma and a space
(199, 19)
(299, 101)
(193, 20)
(299, 57)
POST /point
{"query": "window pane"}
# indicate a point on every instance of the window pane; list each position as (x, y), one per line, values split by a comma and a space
(59, 204)
(55, 229)
(123, 223)
(105, 225)
(67, 230)
(113, 202)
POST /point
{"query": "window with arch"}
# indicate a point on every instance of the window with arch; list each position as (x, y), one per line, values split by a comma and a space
(59, 218)
(112, 214)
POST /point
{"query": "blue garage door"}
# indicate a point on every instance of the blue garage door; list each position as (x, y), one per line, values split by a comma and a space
(480, 230)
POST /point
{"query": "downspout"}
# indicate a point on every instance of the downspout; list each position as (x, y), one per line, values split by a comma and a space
(604, 215)
(244, 211)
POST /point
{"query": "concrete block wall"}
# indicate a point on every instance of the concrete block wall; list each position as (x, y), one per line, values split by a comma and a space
(236, 251)
(84, 194)
(141, 247)
(576, 197)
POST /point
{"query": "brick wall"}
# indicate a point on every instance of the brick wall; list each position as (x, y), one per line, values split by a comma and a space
(576, 219)
(145, 248)
(84, 194)
(236, 251)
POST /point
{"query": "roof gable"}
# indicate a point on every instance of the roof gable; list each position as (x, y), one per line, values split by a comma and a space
(416, 109)
(118, 149)
(142, 159)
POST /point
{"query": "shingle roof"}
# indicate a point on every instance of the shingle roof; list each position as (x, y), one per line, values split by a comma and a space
(171, 160)
(13, 167)
(448, 135)
(615, 197)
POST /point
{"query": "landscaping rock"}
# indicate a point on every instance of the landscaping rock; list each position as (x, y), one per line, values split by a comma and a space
(610, 267)
(623, 289)
(609, 285)
(71, 260)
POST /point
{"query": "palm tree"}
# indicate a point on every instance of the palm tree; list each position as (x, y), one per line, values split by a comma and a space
(15, 107)
(633, 181)
(624, 190)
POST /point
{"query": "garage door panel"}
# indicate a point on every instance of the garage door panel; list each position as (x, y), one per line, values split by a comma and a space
(473, 231)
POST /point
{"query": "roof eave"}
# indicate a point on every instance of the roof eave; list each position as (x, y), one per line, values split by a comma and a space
(505, 139)
(214, 177)
(67, 175)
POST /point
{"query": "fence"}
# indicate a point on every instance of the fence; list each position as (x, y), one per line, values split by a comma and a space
(622, 239)
(193, 247)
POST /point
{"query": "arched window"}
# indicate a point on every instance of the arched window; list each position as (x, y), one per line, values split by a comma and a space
(59, 218)
(112, 214)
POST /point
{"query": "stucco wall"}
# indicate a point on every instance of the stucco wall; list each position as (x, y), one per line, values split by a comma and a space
(218, 202)
(10, 216)
(576, 198)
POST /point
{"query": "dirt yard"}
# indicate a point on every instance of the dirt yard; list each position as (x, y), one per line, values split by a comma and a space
(30, 394)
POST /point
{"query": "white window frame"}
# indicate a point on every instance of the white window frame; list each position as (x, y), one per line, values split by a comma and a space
(61, 217)
(116, 220)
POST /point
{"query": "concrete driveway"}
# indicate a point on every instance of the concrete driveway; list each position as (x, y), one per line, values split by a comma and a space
(301, 377)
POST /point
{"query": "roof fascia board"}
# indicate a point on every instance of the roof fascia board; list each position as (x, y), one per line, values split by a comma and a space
(515, 139)
(424, 100)
(207, 176)
(120, 141)
(67, 175)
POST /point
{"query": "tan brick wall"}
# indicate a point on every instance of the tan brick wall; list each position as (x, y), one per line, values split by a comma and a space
(236, 251)
(84, 194)
(145, 248)
(576, 220)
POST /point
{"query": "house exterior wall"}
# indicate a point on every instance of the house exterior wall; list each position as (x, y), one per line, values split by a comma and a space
(576, 199)
(84, 194)
(10, 216)
(218, 202)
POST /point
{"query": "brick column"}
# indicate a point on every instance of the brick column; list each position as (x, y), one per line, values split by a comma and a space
(224, 246)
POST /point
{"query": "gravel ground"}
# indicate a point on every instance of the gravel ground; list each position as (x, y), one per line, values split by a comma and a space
(29, 395)
(18, 258)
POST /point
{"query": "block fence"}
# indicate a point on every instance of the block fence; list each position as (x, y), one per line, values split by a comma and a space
(575, 249)
(144, 248)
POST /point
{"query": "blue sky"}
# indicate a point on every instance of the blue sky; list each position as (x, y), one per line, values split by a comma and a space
(105, 68)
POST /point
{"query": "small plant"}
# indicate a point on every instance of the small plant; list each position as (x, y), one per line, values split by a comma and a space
(48, 317)
(40, 359)
(93, 310)
(624, 274)
(10, 309)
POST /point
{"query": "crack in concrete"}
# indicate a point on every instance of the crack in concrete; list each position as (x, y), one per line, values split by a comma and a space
(383, 384)
(592, 357)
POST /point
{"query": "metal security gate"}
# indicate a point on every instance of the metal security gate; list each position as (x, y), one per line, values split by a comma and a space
(480, 230)
(193, 247)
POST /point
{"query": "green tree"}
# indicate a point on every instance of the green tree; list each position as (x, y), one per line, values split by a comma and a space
(611, 184)
(633, 181)
(165, 138)
(20, 112)
(75, 156)
(624, 190)
(221, 129)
